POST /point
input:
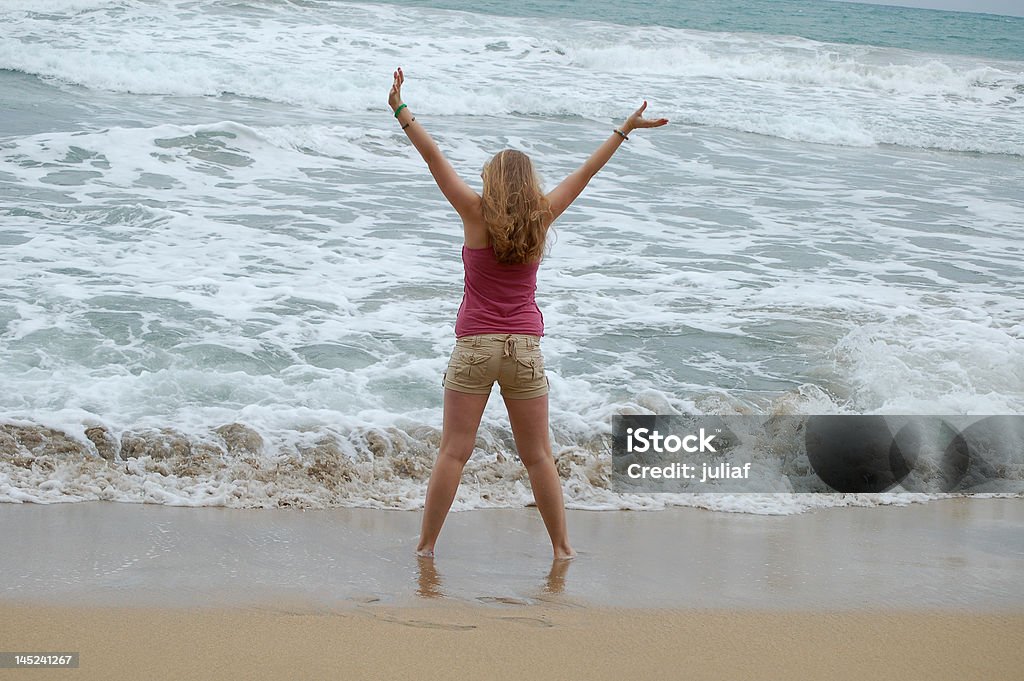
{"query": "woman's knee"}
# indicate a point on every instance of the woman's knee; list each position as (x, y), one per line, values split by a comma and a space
(539, 457)
(456, 453)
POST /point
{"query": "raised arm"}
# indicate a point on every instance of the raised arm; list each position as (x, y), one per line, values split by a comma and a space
(565, 193)
(462, 197)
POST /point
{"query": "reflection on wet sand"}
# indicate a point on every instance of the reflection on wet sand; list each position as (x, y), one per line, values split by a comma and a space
(428, 578)
(555, 582)
(429, 583)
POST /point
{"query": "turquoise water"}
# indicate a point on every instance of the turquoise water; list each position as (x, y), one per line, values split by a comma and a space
(921, 30)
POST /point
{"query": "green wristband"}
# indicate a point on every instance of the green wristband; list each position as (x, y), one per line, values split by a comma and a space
(399, 109)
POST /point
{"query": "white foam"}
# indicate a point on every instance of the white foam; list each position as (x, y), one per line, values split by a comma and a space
(334, 57)
(59, 6)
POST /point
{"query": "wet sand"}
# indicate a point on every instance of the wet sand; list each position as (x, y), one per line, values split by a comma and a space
(948, 554)
(928, 591)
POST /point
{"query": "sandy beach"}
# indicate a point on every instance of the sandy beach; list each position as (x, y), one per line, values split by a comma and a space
(539, 642)
(926, 591)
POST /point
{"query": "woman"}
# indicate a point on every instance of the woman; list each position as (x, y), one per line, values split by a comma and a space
(499, 326)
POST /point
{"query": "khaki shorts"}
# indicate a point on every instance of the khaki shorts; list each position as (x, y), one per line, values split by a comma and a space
(513, 360)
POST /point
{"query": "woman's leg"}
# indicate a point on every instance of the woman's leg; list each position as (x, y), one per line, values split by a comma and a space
(529, 419)
(462, 413)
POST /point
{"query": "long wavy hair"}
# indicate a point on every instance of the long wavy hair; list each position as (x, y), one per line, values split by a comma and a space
(515, 209)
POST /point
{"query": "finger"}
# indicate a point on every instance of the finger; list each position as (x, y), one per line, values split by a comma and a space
(643, 106)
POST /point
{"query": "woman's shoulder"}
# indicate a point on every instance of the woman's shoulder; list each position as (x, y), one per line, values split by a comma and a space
(475, 232)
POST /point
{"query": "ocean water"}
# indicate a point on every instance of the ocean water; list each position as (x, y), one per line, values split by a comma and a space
(228, 279)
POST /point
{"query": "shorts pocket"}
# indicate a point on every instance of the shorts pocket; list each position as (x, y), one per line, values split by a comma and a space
(530, 367)
(467, 364)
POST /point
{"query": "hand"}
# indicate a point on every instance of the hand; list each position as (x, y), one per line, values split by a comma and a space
(395, 96)
(637, 120)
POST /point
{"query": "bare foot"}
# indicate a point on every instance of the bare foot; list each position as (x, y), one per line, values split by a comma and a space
(568, 553)
(425, 553)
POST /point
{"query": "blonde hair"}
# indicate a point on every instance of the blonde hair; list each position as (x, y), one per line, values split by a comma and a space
(515, 209)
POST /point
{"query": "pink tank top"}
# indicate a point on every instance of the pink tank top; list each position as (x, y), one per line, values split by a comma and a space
(497, 298)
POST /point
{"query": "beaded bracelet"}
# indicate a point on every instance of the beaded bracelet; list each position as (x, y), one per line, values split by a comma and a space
(622, 134)
(399, 109)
